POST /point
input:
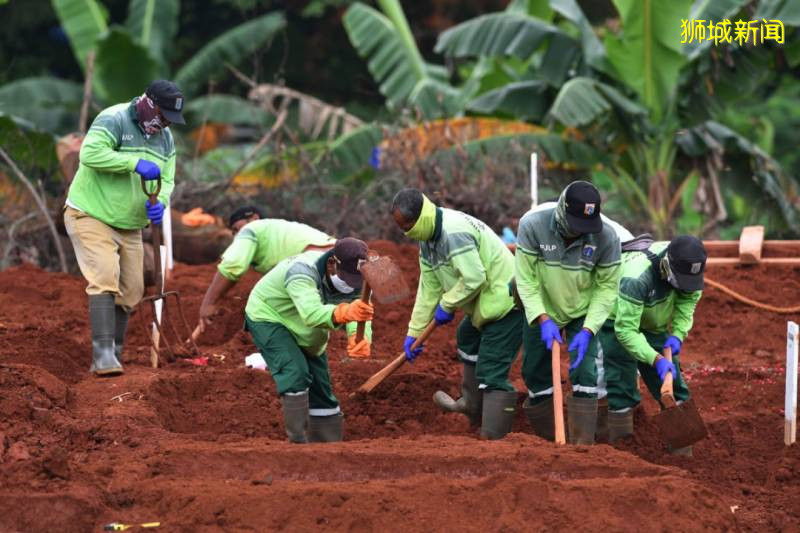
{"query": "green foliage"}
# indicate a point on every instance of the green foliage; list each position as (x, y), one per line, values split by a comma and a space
(351, 153)
(30, 148)
(647, 56)
(582, 101)
(153, 24)
(84, 21)
(114, 78)
(524, 100)
(50, 103)
(230, 47)
(226, 109)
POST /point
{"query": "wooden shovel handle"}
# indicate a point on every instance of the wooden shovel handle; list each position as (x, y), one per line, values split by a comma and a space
(666, 387)
(558, 397)
(396, 363)
(366, 292)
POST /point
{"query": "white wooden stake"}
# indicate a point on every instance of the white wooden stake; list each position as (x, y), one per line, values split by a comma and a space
(534, 179)
(790, 408)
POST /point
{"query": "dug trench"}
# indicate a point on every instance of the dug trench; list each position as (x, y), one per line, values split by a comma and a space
(201, 448)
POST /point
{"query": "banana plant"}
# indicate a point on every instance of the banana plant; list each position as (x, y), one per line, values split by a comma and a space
(144, 42)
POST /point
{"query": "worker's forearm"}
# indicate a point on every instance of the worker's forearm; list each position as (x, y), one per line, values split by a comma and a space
(217, 290)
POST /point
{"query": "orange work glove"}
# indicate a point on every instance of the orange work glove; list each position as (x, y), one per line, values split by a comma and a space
(360, 349)
(356, 311)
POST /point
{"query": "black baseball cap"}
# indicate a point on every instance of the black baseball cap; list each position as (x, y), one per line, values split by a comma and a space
(243, 213)
(349, 253)
(687, 260)
(583, 207)
(168, 98)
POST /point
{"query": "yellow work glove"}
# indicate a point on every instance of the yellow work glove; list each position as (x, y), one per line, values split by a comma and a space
(357, 311)
(358, 349)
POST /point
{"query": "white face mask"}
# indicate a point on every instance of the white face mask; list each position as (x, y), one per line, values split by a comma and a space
(340, 285)
(666, 271)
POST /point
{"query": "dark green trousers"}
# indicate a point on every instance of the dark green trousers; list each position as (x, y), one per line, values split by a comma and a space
(621, 371)
(492, 349)
(537, 368)
(293, 370)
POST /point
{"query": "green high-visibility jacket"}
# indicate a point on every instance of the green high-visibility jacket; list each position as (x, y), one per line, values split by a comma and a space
(263, 243)
(466, 266)
(647, 302)
(566, 282)
(297, 294)
(105, 185)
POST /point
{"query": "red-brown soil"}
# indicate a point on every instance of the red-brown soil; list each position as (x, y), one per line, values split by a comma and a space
(202, 448)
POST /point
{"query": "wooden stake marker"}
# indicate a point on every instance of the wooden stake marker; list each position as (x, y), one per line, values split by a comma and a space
(790, 408)
(750, 243)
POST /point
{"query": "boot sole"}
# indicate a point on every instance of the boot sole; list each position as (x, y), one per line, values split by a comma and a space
(109, 372)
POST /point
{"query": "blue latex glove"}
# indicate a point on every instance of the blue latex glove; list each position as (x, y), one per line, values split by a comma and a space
(674, 343)
(410, 356)
(580, 342)
(155, 212)
(663, 366)
(550, 333)
(442, 317)
(148, 170)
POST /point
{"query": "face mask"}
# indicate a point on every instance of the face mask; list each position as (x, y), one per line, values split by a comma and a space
(425, 225)
(148, 115)
(666, 273)
(340, 285)
(561, 218)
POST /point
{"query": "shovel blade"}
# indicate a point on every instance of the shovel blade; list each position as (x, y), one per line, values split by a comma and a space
(385, 279)
(681, 425)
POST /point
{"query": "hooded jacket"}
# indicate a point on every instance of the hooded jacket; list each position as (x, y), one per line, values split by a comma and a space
(463, 265)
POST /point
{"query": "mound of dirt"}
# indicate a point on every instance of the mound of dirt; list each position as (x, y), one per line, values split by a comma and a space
(202, 448)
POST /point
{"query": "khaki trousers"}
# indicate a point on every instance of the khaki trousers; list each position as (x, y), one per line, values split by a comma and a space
(110, 259)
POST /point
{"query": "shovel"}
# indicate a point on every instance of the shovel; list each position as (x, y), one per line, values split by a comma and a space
(158, 302)
(558, 396)
(396, 363)
(382, 279)
(680, 424)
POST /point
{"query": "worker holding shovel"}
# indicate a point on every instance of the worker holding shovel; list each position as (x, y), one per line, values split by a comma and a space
(106, 209)
(465, 265)
(567, 273)
(658, 293)
(290, 313)
(262, 243)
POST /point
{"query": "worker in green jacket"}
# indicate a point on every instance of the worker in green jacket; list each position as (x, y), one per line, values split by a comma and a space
(658, 294)
(567, 274)
(106, 209)
(465, 265)
(261, 243)
(290, 314)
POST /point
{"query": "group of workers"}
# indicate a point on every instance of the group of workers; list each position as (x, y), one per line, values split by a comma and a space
(575, 277)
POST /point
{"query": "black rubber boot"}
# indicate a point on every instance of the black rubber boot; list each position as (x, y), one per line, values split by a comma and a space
(541, 417)
(620, 425)
(120, 327)
(470, 402)
(581, 419)
(601, 434)
(498, 413)
(326, 428)
(295, 416)
(101, 321)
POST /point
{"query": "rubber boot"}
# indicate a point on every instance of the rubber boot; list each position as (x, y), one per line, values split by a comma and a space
(498, 413)
(686, 451)
(101, 321)
(620, 425)
(295, 416)
(326, 428)
(581, 419)
(601, 434)
(120, 327)
(541, 417)
(470, 402)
